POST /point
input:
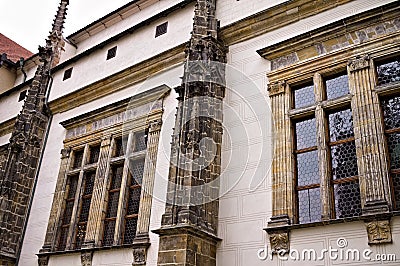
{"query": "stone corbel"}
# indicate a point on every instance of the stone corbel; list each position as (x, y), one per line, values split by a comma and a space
(140, 251)
(86, 257)
(379, 231)
(276, 88)
(360, 62)
(279, 241)
(43, 260)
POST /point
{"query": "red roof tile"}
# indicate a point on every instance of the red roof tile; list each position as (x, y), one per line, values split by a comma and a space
(13, 50)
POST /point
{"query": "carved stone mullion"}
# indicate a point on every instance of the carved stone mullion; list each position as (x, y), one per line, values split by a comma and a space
(148, 179)
(58, 201)
(322, 143)
(123, 193)
(93, 231)
(369, 138)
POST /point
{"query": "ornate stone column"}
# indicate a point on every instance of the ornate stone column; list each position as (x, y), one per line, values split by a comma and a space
(58, 200)
(93, 231)
(282, 168)
(370, 147)
(142, 241)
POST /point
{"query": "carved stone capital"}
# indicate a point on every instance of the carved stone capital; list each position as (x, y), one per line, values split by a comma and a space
(359, 62)
(43, 260)
(106, 141)
(86, 257)
(379, 231)
(276, 88)
(279, 241)
(155, 125)
(65, 153)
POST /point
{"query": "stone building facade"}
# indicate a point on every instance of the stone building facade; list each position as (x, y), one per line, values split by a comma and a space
(207, 132)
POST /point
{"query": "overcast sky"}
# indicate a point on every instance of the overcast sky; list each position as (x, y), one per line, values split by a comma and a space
(28, 22)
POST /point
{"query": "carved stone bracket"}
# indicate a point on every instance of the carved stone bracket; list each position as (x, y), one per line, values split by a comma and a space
(86, 257)
(279, 241)
(43, 260)
(379, 231)
(276, 88)
(139, 255)
(359, 62)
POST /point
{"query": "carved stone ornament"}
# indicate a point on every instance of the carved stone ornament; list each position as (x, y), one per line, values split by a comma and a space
(86, 257)
(155, 125)
(359, 62)
(279, 241)
(43, 260)
(139, 256)
(379, 232)
(276, 88)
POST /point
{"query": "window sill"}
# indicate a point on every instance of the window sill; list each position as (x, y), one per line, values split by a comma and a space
(65, 252)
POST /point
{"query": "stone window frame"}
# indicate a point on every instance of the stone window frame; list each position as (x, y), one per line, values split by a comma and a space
(320, 110)
(147, 110)
(376, 207)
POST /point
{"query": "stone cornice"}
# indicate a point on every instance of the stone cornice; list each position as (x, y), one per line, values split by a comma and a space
(349, 32)
(273, 18)
(7, 126)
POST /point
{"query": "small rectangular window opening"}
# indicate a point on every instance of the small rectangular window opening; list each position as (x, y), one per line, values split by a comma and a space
(67, 73)
(22, 95)
(161, 29)
(112, 53)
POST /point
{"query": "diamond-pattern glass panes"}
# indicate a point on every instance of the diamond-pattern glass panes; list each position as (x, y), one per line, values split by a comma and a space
(393, 142)
(130, 230)
(306, 134)
(71, 188)
(119, 146)
(78, 158)
(308, 179)
(391, 112)
(112, 205)
(344, 160)
(337, 86)
(307, 168)
(303, 95)
(140, 141)
(347, 199)
(94, 153)
(344, 169)
(388, 72)
(341, 125)
(309, 205)
(396, 188)
(136, 167)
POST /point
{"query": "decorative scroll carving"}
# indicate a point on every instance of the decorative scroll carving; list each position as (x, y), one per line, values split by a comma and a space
(139, 256)
(86, 257)
(279, 241)
(276, 88)
(379, 232)
(359, 62)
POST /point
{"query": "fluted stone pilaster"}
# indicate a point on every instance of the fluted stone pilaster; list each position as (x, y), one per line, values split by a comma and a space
(93, 230)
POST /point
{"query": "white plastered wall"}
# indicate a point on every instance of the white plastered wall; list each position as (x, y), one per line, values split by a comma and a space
(245, 211)
(131, 49)
(45, 188)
